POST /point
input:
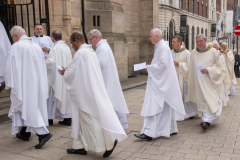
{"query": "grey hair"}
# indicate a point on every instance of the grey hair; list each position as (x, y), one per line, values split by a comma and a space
(201, 35)
(224, 43)
(17, 30)
(216, 43)
(95, 32)
(157, 31)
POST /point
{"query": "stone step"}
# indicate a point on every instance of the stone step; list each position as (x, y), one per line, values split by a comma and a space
(4, 115)
(5, 104)
(5, 93)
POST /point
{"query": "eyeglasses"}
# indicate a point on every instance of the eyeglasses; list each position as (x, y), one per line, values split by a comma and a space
(92, 38)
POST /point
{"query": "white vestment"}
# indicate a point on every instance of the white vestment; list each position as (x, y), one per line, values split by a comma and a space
(226, 80)
(183, 57)
(5, 46)
(163, 100)
(43, 41)
(88, 94)
(230, 75)
(26, 75)
(207, 91)
(59, 98)
(111, 80)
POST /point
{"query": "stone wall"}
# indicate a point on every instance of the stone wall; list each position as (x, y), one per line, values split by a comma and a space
(148, 19)
(111, 24)
(131, 26)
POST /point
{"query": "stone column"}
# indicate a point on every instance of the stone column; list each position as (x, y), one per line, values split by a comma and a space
(109, 20)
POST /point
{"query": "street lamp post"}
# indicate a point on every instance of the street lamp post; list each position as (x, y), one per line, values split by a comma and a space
(83, 22)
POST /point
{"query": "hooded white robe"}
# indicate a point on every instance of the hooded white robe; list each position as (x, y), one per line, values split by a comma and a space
(26, 75)
(89, 99)
(5, 46)
(183, 57)
(111, 80)
(207, 91)
(160, 109)
(44, 41)
(59, 98)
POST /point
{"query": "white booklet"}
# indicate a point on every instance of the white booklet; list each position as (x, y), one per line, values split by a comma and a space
(140, 66)
(42, 45)
(199, 68)
(173, 57)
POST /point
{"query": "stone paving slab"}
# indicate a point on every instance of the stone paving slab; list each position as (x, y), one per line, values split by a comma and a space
(220, 142)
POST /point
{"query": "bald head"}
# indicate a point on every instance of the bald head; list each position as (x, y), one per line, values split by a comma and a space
(56, 35)
(155, 35)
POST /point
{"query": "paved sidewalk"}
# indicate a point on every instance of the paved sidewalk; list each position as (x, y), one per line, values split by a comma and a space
(219, 142)
(5, 99)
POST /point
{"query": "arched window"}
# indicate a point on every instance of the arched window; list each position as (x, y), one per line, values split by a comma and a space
(202, 31)
(197, 31)
(193, 37)
(206, 32)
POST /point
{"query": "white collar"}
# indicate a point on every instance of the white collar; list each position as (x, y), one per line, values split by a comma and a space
(204, 48)
(24, 36)
(58, 41)
(100, 42)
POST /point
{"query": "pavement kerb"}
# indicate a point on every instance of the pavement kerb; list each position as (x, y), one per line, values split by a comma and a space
(134, 85)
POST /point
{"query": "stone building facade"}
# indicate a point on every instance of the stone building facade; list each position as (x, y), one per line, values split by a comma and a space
(126, 24)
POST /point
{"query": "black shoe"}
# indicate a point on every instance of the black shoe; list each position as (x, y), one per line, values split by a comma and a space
(173, 134)
(19, 136)
(205, 125)
(108, 153)
(42, 141)
(50, 122)
(66, 121)
(143, 136)
(191, 117)
(76, 151)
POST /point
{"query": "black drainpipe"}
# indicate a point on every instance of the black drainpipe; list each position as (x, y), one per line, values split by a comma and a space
(83, 22)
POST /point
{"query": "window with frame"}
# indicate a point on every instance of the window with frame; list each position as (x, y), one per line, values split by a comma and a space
(180, 4)
(202, 10)
(218, 17)
(197, 8)
(223, 4)
(193, 36)
(187, 3)
(170, 2)
(206, 12)
(192, 6)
